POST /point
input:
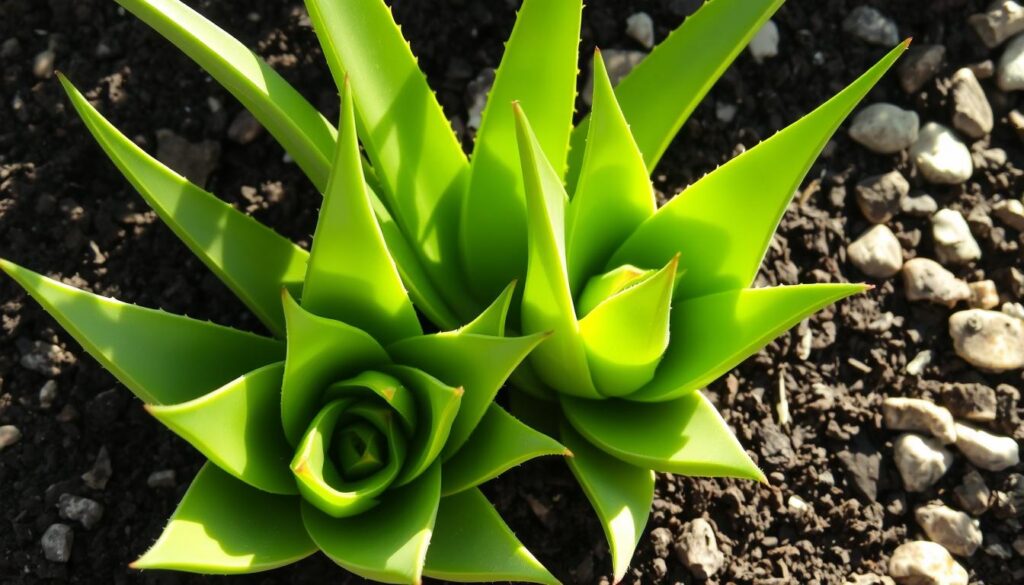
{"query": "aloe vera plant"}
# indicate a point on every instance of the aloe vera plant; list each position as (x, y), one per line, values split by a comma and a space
(359, 434)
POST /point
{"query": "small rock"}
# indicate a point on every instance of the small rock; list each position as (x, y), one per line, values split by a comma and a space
(972, 494)
(47, 394)
(921, 461)
(921, 206)
(912, 414)
(1010, 212)
(9, 435)
(940, 156)
(88, 512)
(986, 450)
(954, 243)
(999, 551)
(972, 113)
(797, 504)
(1018, 545)
(1015, 310)
(1010, 71)
(640, 27)
(244, 128)
(919, 65)
(697, 548)
(42, 64)
(983, 295)
(988, 339)
(476, 96)
(1016, 120)
(871, 26)
(879, 196)
(765, 43)
(919, 363)
(725, 112)
(876, 253)
(163, 479)
(925, 563)
(619, 63)
(10, 48)
(659, 568)
(57, 542)
(195, 161)
(975, 402)
(957, 532)
(1002, 21)
(661, 542)
(43, 358)
(926, 280)
(885, 128)
(97, 477)
(983, 69)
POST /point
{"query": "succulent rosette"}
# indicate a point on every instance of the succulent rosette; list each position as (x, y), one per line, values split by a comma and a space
(353, 433)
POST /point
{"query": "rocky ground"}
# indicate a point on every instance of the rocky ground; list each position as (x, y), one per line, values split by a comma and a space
(889, 425)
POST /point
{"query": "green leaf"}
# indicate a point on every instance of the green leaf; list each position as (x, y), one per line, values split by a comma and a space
(316, 475)
(479, 364)
(499, 443)
(539, 71)
(225, 526)
(161, 357)
(238, 427)
(320, 352)
(722, 224)
(663, 90)
(493, 319)
(712, 334)
(416, 155)
(438, 406)
(686, 436)
(626, 335)
(613, 195)
(473, 544)
(298, 126)
(386, 387)
(351, 276)
(253, 260)
(620, 493)
(599, 288)
(547, 299)
(388, 543)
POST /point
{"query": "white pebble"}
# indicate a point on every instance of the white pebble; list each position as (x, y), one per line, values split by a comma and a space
(765, 43)
(885, 128)
(989, 340)
(940, 156)
(877, 252)
(954, 243)
(926, 280)
(921, 461)
(925, 563)
(955, 531)
(1010, 72)
(913, 414)
(986, 450)
(640, 27)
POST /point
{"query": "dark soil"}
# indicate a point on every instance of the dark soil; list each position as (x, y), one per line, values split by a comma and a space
(65, 210)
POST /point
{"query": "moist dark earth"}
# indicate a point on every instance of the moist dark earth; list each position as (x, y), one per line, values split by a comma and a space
(67, 212)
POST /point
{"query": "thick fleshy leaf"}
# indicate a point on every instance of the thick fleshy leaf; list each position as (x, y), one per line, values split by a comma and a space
(238, 427)
(320, 352)
(620, 493)
(438, 406)
(473, 544)
(613, 195)
(225, 526)
(493, 319)
(294, 122)
(712, 334)
(251, 259)
(603, 286)
(663, 90)
(499, 443)
(547, 300)
(416, 155)
(352, 277)
(384, 386)
(539, 71)
(722, 224)
(685, 436)
(388, 543)
(626, 335)
(479, 364)
(318, 478)
(161, 357)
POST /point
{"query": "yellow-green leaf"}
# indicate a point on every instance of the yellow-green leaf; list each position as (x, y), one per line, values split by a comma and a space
(161, 357)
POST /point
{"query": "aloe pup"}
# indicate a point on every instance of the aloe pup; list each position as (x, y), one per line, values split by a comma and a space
(625, 310)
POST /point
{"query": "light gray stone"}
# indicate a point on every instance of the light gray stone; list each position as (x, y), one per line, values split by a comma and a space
(1003, 20)
(57, 542)
(876, 253)
(927, 280)
(47, 394)
(955, 531)
(921, 461)
(697, 548)
(765, 43)
(640, 27)
(920, 206)
(988, 340)
(986, 450)
(97, 477)
(885, 128)
(914, 414)
(954, 242)
(619, 63)
(163, 479)
(972, 494)
(879, 196)
(87, 512)
(42, 64)
(925, 563)
(871, 26)
(940, 156)
(1010, 71)
(1010, 212)
(919, 65)
(972, 113)
(9, 435)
